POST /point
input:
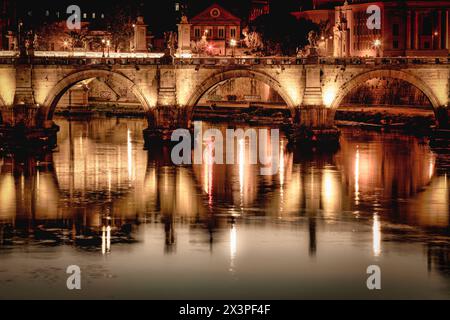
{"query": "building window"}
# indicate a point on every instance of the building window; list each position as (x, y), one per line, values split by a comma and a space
(395, 44)
(221, 32)
(427, 26)
(233, 33)
(197, 33)
(209, 32)
(85, 15)
(93, 15)
(177, 6)
(395, 30)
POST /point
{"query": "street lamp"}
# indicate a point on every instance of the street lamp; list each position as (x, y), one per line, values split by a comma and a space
(108, 45)
(377, 45)
(435, 34)
(233, 45)
(65, 44)
(103, 47)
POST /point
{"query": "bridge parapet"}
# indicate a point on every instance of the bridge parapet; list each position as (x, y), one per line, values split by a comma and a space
(168, 88)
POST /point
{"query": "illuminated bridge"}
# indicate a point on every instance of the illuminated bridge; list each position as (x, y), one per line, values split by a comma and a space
(169, 88)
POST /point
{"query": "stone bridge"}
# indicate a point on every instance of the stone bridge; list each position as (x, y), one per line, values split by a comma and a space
(168, 89)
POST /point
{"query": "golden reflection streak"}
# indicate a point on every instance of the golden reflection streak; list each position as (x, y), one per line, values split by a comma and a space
(281, 172)
(208, 171)
(106, 239)
(233, 246)
(357, 176)
(376, 235)
(241, 156)
(431, 168)
(129, 155)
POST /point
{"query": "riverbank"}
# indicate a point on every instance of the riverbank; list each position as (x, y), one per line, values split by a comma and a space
(404, 118)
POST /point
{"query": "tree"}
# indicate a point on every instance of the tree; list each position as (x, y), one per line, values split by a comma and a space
(253, 40)
(120, 27)
(283, 34)
(200, 46)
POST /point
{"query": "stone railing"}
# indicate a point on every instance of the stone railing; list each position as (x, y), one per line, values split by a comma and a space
(97, 58)
(384, 61)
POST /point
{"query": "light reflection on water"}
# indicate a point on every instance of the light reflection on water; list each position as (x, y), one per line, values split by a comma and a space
(141, 227)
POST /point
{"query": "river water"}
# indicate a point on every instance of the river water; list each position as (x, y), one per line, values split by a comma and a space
(140, 227)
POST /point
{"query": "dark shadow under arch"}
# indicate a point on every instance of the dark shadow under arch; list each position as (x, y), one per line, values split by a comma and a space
(217, 78)
(55, 94)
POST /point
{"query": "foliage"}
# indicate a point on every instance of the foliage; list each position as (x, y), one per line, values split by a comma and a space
(199, 46)
(282, 33)
(120, 27)
(253, 40)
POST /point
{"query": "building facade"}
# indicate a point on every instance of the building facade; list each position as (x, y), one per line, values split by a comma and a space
(407, 28)
(219, 27)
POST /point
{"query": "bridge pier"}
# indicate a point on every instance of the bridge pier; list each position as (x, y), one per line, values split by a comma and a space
(162, 121)
(22, 127)
(314, 126)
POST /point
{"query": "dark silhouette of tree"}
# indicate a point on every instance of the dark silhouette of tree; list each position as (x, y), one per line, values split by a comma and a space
(282, 33)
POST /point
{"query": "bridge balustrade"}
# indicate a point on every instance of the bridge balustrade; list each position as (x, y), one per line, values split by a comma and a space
(12, 57)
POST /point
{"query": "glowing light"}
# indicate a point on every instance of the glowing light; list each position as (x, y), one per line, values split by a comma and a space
(92, 54)
(376, 235)
(233, 42)
(233, 246)
(282, 166)
(357, 178)
(329, 96)
(430, 168)
(377, 43)
(130, 155)
(106, 239)
(241, 164)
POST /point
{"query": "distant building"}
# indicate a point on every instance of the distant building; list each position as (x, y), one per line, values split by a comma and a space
(221, 28)
(408, 28)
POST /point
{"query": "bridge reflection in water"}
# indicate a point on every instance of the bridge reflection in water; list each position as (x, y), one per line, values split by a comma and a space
(100, 187)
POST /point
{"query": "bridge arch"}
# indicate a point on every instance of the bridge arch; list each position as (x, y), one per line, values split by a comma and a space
(64, 84)
(344, 90)
(217, 78)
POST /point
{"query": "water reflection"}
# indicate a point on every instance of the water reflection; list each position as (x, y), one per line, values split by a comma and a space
(100, 187)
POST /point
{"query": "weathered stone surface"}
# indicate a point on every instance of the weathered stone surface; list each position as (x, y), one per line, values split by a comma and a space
(169, 92)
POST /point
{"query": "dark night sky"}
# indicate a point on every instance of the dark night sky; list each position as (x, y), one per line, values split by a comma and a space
(159, 14)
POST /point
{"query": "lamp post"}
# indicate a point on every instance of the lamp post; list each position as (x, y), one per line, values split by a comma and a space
(103, 47)
(233, 45)
(108, 45)
(377, 45)
(433, 39)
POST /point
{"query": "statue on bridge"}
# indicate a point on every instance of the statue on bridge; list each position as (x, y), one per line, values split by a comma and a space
(311, 49)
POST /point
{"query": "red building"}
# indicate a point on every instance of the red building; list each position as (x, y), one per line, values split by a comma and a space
(408, 28)
(221, 28)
